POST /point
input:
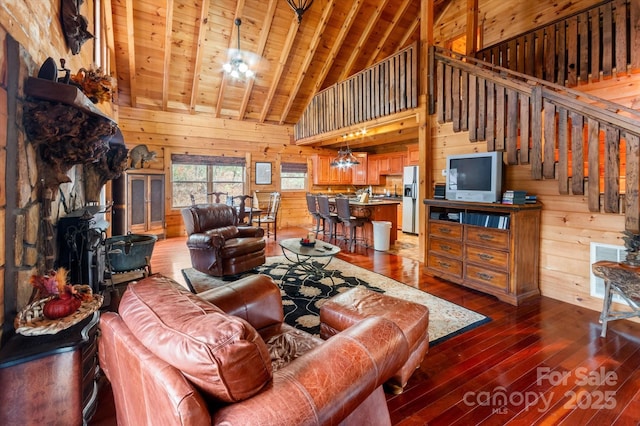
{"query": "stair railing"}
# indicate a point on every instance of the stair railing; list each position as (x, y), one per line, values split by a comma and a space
(552, 128)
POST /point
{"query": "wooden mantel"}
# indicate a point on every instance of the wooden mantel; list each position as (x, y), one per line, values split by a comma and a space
(66, 129)
(64, 93)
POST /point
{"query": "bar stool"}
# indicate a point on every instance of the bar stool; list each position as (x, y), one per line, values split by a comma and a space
(313, 211)
(349, 222)
(328, 216)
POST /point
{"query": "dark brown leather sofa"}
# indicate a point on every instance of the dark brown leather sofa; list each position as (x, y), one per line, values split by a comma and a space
(175, 358)
(217, 244)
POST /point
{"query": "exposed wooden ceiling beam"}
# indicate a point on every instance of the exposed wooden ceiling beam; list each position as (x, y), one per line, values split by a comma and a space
(373, 20)
(262, 42)
(410, 31)
(233, 35)
(472, 27)
(315, 42)
(131, 42)
(166, 75)
(197, 67)
(284, 55)
(390, 29)
(337, 45)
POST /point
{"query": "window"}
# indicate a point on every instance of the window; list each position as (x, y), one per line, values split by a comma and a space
(197, 176)
(293, 176)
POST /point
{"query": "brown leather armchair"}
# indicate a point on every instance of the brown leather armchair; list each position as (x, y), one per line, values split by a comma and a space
(175, 358)
(218, 245)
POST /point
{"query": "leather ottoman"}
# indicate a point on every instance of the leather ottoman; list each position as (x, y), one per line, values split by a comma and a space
(346, 309)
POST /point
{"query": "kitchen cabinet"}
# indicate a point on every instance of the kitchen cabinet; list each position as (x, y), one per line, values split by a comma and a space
(388, 164)
(493, 248)
(359, 172)
(396, 164)
(139, 203)
(324, 174)
(413, 155)
(373, 170)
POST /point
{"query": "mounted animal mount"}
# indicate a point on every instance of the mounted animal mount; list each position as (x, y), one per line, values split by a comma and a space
(74, 25)
(139, 155)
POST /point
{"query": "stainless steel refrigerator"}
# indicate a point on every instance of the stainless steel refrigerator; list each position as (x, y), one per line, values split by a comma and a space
(410, 200)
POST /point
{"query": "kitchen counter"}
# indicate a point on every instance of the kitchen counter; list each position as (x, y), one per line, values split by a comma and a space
(376, 209)
(375, 202)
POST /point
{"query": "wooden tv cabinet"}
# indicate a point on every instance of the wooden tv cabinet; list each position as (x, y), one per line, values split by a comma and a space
(493, 248)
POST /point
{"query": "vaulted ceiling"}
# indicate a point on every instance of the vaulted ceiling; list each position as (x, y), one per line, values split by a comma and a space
(169, 53)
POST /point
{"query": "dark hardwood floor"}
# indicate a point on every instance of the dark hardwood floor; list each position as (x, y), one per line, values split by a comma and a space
(540, 363)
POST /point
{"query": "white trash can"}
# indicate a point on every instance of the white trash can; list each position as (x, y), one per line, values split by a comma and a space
(381, 235)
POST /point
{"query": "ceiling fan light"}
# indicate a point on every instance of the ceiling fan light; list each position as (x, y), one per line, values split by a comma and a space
(237, 68)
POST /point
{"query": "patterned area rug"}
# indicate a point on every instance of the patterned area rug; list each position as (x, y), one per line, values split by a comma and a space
(303, 295)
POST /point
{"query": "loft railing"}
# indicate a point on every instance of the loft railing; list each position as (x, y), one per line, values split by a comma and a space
(599, 42)
(387, 87)
(560, 132)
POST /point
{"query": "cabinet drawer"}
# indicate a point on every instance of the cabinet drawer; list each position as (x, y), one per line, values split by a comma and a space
(447, 247)
(445, 265)
(445, 229)
(480, 274)
(486, 256)
(488, 237)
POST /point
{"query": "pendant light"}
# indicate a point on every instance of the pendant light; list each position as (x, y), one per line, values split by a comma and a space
(237, 67)
(300, 7)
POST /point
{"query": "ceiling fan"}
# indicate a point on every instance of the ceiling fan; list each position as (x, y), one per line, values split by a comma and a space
(241, 64)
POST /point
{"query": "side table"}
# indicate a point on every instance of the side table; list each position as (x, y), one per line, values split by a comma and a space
(50, 378)
(620, 279)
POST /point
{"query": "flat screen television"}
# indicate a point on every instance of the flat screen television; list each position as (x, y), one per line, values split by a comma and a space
(474, 177)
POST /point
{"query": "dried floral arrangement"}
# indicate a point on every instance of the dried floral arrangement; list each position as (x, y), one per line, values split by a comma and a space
(95, 84)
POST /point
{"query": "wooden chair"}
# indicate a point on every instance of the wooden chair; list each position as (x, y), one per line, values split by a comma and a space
(245, 214)
(349, 222)
(217, 196)
(270, 215)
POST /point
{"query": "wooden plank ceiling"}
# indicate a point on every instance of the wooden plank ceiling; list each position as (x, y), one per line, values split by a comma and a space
(169, 53)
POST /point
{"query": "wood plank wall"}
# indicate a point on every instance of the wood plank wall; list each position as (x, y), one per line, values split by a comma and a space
(200, 134)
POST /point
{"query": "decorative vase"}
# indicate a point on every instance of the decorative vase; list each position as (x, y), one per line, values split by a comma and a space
(60, 307)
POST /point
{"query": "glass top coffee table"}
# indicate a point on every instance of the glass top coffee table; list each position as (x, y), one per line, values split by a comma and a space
(313, 260)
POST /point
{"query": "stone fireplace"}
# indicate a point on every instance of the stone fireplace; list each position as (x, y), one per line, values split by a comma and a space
(60, 152)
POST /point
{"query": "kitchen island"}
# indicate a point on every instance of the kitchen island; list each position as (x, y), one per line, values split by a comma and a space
(376, 209)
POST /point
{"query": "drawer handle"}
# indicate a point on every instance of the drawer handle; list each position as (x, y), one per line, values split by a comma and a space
(484, 276)
(444, 264)
(485, 256)
(445, 247)
(444, 230)
(486, 237)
